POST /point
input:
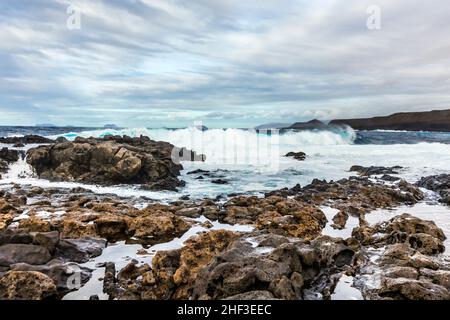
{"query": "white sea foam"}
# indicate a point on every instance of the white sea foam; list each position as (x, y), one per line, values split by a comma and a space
(329, 156)
(217, 143)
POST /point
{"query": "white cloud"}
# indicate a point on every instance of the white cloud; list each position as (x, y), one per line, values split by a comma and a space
(231, 62)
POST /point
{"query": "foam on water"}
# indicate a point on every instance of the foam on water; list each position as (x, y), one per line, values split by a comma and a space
(345, 291)
(330, 154)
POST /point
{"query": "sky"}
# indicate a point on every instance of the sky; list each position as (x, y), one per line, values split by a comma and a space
(227, 63)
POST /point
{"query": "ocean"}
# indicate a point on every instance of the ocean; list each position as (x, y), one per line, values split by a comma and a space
(254, 162)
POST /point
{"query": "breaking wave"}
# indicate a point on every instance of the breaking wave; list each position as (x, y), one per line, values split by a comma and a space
(228, 144)
(185, 137)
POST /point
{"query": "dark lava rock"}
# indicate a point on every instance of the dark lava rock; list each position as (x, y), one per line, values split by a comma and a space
(111, 160)
(389, 178)
(80, 250)
(7, 157)
(109, 281)
(340, 220)
(19, 145)
(296, 155)
(48, 240)
(60, 272)
(368, 171)
(28, 139)
(438, 183)
(359, 193)
(217, 265)
(26, 253)
(421, 235)
(198, 171)
(219, 181)
(15, 236)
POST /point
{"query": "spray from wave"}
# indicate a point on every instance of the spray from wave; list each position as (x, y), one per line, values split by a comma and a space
(228, 146)
(183, 137)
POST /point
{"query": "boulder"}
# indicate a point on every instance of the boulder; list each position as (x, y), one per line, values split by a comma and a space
(374, 170)
(18, 236)
(35, 224)
(418, 234)
(158, 226)
(410, 289)
(108, 161)
(173, 272)
(26, 285)
(7, 157)
(111, 228)
(27, 253)
(411, 225)
(60, 272)
(340, 220)
(276, 214)
(284, 270)
(80, 250)
(300, 156)
(438, 183)
(48, 240)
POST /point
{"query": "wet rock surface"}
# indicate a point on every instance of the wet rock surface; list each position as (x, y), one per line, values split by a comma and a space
(111, 160)
(438, 183)
(422, 235)
(408, 266)
(41, 265)
(8, 156)
(355, 195)
(27, 139)
(225, 265)
(374, 170)
(276, 214)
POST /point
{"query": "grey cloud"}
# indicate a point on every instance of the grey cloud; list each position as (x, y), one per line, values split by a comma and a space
(227, 62)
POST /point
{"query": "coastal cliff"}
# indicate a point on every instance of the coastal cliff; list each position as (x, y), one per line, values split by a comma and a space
(436, 120)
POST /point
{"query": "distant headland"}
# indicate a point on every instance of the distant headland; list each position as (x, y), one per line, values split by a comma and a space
(436, 120)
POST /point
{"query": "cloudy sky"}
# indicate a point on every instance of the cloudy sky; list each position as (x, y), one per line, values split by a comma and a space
(225, 62)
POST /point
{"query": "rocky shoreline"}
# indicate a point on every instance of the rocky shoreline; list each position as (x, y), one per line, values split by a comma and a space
(48, 234)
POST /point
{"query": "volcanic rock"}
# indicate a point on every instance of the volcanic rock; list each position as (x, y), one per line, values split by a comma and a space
(372, 170)
(438, 183)
(107, 161)
(26, 285)
(300, 156)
